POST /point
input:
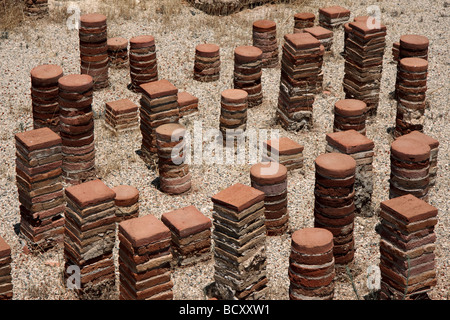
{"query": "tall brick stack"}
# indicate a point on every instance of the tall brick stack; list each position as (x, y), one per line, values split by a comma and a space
(300, 69)
(325, 36)
(407, 246)
(350, 114)
(207, 62)
(271, 178)
(36, 8)
(158, 106)
(174, 174)
(44, 96)
(191, 235)
(39, 184)
(248, 72)
(285, 151)
(265, 38)
(410, 165)
(303, 20)
(6, 286)
(348, 28)
(360, 148)
(239, 243)
(93, 37)
(233, 114)
(126, 202)
(143, 61)
(364, 50)
(333, 17)
(187, 103)
(89, 234)
(334, 207)
(77, 127)
(144, 260)
(118, 52)
(311, 265)
(121, 115)
(411, 91)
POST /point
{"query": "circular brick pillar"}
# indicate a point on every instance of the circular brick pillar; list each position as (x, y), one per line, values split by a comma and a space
(143, 62)
(126, 202)
(207, 62)
(233, 114)
(265, 38)
(350, 114)
(118, 52)
(303, 20)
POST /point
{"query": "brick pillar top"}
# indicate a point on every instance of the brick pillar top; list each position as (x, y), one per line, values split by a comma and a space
(247, 54)
(93, 20)
(335, 12)
(90, 193)
(142, 41)
(350, 141)
(76, 83)
(409, 208)
(159, 88)
(234, 95)
(350, 107)
(46, 74)
(125, 195)
(5, 249)
(117, 43)
(414, 64)
(186, 221)
(144, 230)
(300, 41)
(264, 173)
(312, 241)
(36, 139)
(335, 165)
(414, 42)
(264, 25)
(410, 150)
(308, 16)
(238, 197)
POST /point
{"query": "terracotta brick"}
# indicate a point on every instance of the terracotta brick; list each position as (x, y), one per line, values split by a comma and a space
(160, 88)
(350, 141)
(186, 221)
(125, 195)
(312, 241)
(90, 193)
(238, 197)
(37, 139)
(335, 165)
(409, 208)
(144, 230)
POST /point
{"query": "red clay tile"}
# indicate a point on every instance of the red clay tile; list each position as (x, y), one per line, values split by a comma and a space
(350, 141)
(122, 106)
(319, 32)
(410, 150)
(207, 50)
(419, 136)
(312, 241)
(125, 195)
(238, 197)
(362, 27)
(247, 53)
(286, 146)
(76, 82)
(142, 41)
(350, 107)
(302, 40)
(414, 64)
(335, 165)
(185, 98)
(169, 130)
(46, 74)
(117, 43)
(414, 42)
(160, 88)
(408, 208)
(234, 95)
(264, 25)
(186, 221)
(93, 20)
(90, 193)
(264, 173)
(304, 16)
(335, 12)
(144, 230)
(36, 139)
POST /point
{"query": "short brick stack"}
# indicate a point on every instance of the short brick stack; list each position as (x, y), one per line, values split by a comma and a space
(191, 235)
(126, 202)
(77, 127)
(94, 48)
(118, 52)
(334, 207)
(411, 95)
(89, 235)
(174, 174)
(6, 286)
(143, 61)
(159, 105)
(350, 114)
(39, 184)
(44, 96)
(36, 8)
(407, 246)
(265, 38)
(325, 36)
(410, 165)
(303, 20)
(364, 50)
(233, 114)
(333, 17)
(271, 178)
(121, 115)
(248, 72)
(434, 150)
(311, 265)
(413, 46)
(187, 103)
(207, 62)
(239, 243)
(301, 65)
(144, 260)
(285, 151)
(360, 148)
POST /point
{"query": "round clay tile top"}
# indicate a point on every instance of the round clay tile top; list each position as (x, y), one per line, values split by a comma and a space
(234, 95)
(350, 107)
(93, 20)
(335, 165)
(46, 74)
(207, 50)
(125, 195)
(414, 64)
(170, 130)
(247, 54)
(312, 241)
(76, 82)
(264, 25)
(410, 150)
(265, 173)
(142, 41)
(304, 16)
(117, 43)
(414, 42)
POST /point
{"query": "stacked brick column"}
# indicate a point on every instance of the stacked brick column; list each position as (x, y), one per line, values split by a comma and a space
(37, 8)
(89, 234)
(77, 127)
(350, 114)
(144, 260)
(285, 151)
(360, 148)
(407, 245)
(191, 235)
(6, 286)
(364, 63)
(39, 184)
(239, 243)
(248, 72)
(233, 114)
(207, 62)
(174, 174)
(303, 20)
(118, 52)
(301, 66)
(413, 46)
(333, 17)
(311, 265)
(94, 48)
(348, 28)
(159, 105)
(44, 96)
(411, 95)
(126, 202)
(187, 103)
(334, 207)
(143, 62)
(410, 165)
(271, 178)
(265, 38)
(121, 115)
(325, 36)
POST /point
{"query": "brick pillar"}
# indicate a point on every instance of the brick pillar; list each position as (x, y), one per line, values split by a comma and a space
(121, 115)
(265, 38)
(36, 8)
(333, 17)
(143, 61)
(126, 202)
(118, 52)
(6, 286)
(207, 62)
(325, 36)
(350, 114)
(303, 20)
(285, 151)
(233, 114)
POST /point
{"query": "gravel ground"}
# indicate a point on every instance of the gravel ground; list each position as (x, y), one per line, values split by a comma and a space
(177, 28)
